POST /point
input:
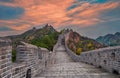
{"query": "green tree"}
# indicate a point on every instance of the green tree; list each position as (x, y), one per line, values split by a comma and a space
(13, 55)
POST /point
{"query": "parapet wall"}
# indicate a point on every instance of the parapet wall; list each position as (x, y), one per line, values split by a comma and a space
(106, 58)
(28, 61)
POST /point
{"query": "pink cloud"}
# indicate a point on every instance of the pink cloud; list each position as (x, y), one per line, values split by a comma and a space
(90, 14)
(55, 12)
(96, 9)
(21, 27)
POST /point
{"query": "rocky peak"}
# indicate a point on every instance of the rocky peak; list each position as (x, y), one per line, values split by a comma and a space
(49, 27)
(34, 29)
(110, 39)
(117, 33)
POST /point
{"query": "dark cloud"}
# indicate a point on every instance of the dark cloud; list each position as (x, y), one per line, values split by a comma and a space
(6, 0)
(76, 4)
(94, 1)
(72, 7)
(4, 28)
(99, 1)
(7, 12)
(113, 13)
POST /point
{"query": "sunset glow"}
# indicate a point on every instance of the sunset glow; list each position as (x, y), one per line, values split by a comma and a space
(20, 15)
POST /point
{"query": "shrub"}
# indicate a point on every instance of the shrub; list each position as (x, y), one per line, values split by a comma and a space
(79, 50)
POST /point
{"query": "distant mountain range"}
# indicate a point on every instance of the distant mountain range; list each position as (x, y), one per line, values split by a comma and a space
(47, 37)
(78, 43)
(110, 39)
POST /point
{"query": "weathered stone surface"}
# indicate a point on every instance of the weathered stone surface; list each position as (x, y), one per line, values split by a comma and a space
(65, 67)
(5, 58)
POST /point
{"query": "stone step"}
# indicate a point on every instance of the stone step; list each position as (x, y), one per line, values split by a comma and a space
(75, 70)
(82, 76)
(70, 73)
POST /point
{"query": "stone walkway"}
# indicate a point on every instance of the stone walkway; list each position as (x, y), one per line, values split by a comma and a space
(64, 67)
(61, 56)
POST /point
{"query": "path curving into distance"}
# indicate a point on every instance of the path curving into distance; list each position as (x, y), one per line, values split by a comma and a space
(64, 67)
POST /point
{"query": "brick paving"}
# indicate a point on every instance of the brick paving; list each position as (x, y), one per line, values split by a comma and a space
(64, 67)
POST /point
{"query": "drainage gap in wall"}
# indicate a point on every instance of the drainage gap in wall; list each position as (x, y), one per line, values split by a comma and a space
(115, 72)
(105, 62)
(113, 56)
(86, 62)
(91, 63)
(99, 67)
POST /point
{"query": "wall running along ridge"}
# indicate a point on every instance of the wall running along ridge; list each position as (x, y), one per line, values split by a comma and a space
(106, 58)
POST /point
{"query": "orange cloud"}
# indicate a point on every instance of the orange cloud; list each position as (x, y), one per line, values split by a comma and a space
(55, 12)
(22, 27)
(46, 12)
(9, 4)
(90, 14)
(96, 9)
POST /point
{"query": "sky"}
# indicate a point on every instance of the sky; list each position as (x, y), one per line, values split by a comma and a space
(91, 18)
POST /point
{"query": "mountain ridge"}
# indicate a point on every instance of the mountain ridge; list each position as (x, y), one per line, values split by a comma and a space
(30, 36)
(78, 43)
(110, 39)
